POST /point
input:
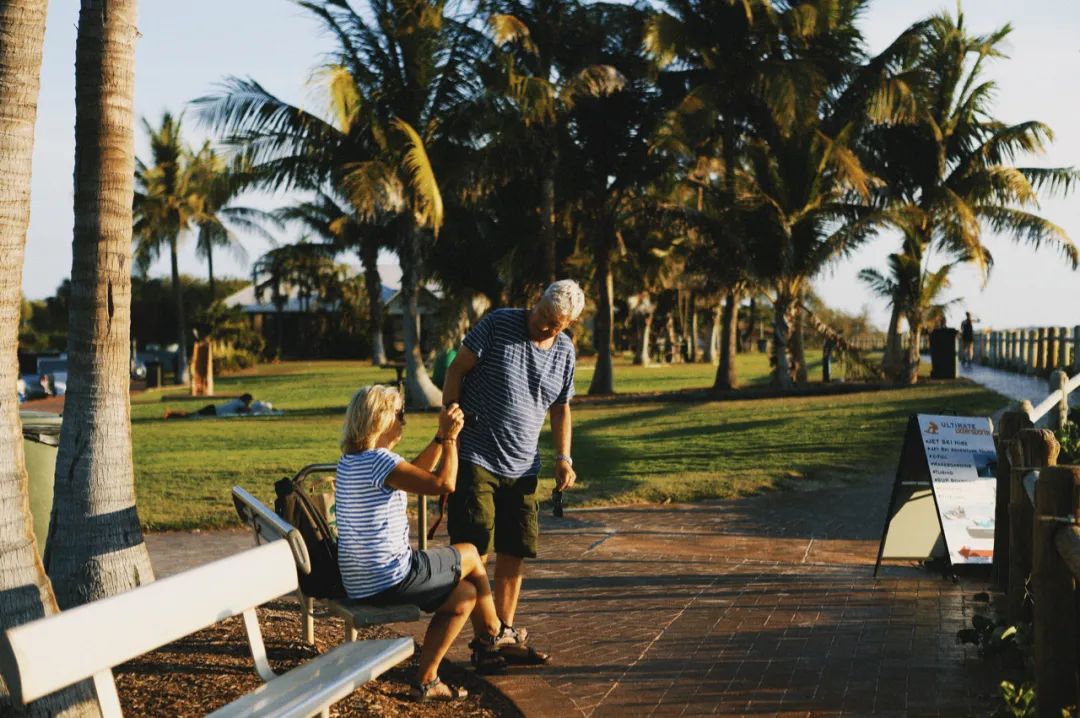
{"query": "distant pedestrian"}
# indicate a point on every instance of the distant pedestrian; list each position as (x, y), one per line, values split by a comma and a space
(967, 338)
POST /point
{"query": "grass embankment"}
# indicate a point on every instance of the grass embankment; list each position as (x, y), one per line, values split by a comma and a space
(623, 453)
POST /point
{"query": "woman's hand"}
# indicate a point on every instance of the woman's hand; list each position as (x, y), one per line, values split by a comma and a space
(451, 419)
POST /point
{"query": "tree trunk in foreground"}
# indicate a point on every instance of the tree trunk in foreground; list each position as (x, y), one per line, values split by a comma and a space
(369, 256)
(781, 334)
(420, 391)
(25, 591)
(95, 547)
(603, 381)
(726, 374)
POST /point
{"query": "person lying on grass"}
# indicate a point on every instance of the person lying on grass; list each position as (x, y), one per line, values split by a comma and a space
(377, 563)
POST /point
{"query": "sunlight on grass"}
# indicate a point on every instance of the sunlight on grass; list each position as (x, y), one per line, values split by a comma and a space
(623, 453)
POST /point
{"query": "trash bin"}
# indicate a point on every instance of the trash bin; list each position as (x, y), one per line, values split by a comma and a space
(443, 360)
(944, 357)
(153, 374)
(41, 437)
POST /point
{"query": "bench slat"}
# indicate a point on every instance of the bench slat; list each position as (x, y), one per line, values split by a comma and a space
(38, 658)
(308, 688)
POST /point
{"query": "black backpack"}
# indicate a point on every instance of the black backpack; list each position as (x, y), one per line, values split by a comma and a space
(293, 505)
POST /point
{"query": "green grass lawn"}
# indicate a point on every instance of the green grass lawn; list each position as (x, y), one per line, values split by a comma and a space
(623, 453)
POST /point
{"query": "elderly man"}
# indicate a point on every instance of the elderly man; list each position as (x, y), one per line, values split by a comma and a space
(514, 367)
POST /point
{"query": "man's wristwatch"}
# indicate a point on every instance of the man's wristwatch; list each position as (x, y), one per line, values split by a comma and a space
(564, 457)
(438, 439)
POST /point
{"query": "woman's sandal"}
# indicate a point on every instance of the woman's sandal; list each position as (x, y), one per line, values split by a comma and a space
(436, 690)
(486, 658)
(523, 655)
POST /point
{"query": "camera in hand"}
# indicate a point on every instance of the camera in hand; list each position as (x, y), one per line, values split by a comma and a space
(556, 503)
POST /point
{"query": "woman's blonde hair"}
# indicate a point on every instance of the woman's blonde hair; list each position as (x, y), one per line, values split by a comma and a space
(370, 413)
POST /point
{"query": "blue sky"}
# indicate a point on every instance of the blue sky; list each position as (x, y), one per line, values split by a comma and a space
(186, 48)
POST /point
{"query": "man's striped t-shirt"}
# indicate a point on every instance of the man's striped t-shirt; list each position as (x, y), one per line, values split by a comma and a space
(510, 390)
(373, 529)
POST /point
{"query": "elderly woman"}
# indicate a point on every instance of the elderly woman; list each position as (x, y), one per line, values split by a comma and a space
(377, 563)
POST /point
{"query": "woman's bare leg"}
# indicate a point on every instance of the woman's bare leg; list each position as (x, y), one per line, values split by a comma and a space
(445, 626)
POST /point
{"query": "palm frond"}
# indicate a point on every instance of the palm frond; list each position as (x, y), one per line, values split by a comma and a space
(428, 203)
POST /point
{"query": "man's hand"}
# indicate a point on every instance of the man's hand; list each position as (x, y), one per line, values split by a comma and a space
(564, 475)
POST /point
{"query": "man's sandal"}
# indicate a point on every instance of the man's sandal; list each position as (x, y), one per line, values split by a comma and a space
(436, 690)
(486, 657)
(511, 643)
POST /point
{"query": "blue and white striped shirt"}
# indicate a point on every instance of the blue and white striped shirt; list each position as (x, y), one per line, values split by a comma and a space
(510, 390)
(373, 529)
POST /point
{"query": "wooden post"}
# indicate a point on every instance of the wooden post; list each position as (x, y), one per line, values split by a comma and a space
(1051, 348)
(1032, 449)
(1052, 592)
(994, 353)
(1060, 414)
(1076, 347)
(1014, 350)
(1030, 351)
(1008, 428)
(1063, 348)
(1040, 349)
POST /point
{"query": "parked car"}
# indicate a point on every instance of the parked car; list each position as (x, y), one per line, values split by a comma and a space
(50, 379)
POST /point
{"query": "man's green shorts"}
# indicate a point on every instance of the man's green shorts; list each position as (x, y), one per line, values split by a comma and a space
(488, 510)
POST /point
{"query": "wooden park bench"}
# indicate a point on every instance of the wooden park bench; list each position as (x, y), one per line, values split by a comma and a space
(268, 527)
(48, 654)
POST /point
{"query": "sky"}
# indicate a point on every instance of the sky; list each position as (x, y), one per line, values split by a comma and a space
(182, 54)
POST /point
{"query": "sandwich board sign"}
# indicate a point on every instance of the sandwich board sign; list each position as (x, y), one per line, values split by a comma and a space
(944, 494)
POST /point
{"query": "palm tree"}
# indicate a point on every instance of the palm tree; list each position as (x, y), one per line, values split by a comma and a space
(539, 71)
(917, 291)
(215, 182)
(397, 88)
(95, 547)
(949, 167)
(164, 208)
(342, 227)
(25, 590)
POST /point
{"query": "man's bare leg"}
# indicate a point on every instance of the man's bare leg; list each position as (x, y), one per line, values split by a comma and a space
(508, 575)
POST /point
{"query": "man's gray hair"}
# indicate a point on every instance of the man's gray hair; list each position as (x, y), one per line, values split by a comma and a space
(564, 299)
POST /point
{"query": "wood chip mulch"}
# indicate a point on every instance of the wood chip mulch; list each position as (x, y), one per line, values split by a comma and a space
(206, 670)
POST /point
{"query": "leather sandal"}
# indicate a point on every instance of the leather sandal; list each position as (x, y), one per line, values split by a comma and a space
(436, 690)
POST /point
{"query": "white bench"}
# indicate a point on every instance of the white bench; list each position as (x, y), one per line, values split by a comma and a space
(48, 654)
(268, 526)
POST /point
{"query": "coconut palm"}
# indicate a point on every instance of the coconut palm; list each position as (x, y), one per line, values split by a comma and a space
(165, 205)
(25, 590)
(950, 169)
(95, 547)
(341, 227)
(539, 71)
(917, 290)
(397, 85)
(214, 183)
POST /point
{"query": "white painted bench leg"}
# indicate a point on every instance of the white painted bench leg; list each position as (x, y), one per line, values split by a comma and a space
(258, 648)
(350, 630)
(307, 607)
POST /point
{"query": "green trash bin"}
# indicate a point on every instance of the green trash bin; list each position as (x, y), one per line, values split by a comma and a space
(41, 437)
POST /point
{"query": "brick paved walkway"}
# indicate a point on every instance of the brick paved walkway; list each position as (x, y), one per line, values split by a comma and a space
(763, 606)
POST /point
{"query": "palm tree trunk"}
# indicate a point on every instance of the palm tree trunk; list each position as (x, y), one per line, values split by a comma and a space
(420, 391)
(369, 257)
(95, 547)
(781, 335)
(712, 348)
(210, 272)
(603, 381)
(748, 340)
(726, 375)
(911, 368)
(692, 347)
(25, 591)
(182, 376)
(547, 218)
(798, 347)
(642, 354)
(891, 362)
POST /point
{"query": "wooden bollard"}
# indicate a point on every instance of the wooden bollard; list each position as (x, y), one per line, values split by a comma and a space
(1032, 449)
(1051, 348)
(1008, 429)
(1063, 348)
(1040, 349)
(1076, 347)
(1059, 415)
(1052, 592)
(1031, 342)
